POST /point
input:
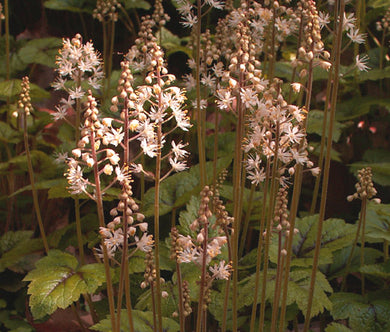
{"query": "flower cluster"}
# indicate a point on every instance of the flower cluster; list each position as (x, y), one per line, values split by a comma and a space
(311, 50)
(276, 133)
(139, 56)
(364, 187)
(203, 248)
(126, 220)
(24, 102)
(106, 10)
(90, 152)
(191, 13)
(159, 16)
(352, 32)
(155, 105)
(384, 23)
(77, 63)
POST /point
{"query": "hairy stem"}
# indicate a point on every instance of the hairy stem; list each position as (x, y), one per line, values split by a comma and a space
(260, 246)
(200, 117)
(326, 166)
(32, 181)
(100, 211)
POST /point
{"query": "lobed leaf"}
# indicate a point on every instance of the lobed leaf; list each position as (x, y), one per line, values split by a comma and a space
(142, 321)
(368, 314)
(336, 234)
(57, 281)
(298, 290)
(315, 125)
(337, 327)
(378, 270)
(356, 107)
(177, 189)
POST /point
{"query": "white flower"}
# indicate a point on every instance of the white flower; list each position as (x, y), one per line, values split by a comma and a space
(218, 69)
(296, 87)
(177, 149)
(189, 20)
(115, 136)
(144, 244)
(189, 81)
(113, 239)
(208, 81)
(136, 168)
(215, 3)
(355, 36)
(299, 156)
(107, 169)
(188, 255)
(75, 178)
(59, 83)
(60, 157)
(349, 21)
(256, 176)
(182, 120)
(77, 93)
(184, 8)
(315, 171)
(203, 104)
(294, 134)
(114, 159)
(177, 166)
(61, 113)
(149, 148)
(361, 63)
(323, 19)
(122, 175)
(225, 99)
(248, 97)
(221, 271)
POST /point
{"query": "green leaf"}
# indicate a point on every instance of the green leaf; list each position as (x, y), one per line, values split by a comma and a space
(169, 304)
(315, 124)
(284, 70)
(336, 234)
(10, 239)
(358, 106)
(364, 314)
(216, 308)
(12, 89)
(177, 189)
(377, 270)
(42, 163)
(187, 217)
(12, 322)
(42, 51)
(380, 171)
(379, 3)
(340, 258)
(57, 282)
(142, 321)
(298, 289)
(378, 222)
(379, 161)
(225, 144)
(374, 74)
(337, 327)
(141, 4)
(15, 246)
(68, 5)
(7, 134)
(47, 184)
